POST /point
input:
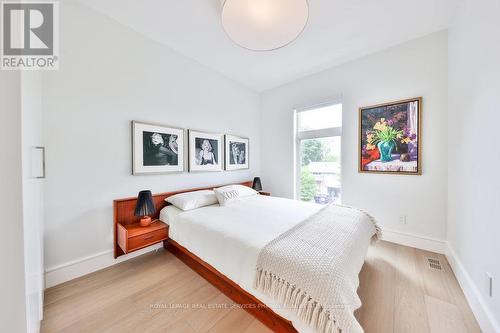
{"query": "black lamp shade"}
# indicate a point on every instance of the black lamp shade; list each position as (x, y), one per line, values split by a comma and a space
(256, 184)
(145, 205)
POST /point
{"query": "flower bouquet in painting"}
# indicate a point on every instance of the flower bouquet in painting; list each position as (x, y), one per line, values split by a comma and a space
(389, 136)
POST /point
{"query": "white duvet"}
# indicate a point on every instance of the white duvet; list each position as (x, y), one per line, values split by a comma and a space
(230, 238)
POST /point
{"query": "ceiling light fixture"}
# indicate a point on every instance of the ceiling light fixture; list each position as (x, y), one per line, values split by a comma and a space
(264, 25)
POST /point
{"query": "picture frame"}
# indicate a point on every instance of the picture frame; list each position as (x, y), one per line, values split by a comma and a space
(390, 138)
(156, 149)
(236, 152)
(205, 151)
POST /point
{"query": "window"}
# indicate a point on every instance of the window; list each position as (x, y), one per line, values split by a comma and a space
(317, 154)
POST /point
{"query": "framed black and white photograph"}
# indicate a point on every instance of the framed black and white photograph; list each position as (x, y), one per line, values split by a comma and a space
(205, 151)
(236, 152)
(157, 149)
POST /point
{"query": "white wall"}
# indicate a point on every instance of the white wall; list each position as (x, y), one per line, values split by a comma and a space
(473, 157)
(110, 75)
(12, 279)
(416, 68)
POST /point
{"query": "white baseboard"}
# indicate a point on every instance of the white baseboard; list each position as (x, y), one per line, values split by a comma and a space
(476, 301)
(413, 240)
(83, 266)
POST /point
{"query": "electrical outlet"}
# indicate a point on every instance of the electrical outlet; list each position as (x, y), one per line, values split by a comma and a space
(402, 219)
(489, 284)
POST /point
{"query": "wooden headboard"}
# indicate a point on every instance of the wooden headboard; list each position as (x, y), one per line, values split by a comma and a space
(124, 209)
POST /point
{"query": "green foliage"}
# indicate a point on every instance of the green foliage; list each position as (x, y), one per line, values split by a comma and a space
(386, 134)
(307, 185)
(312, 151)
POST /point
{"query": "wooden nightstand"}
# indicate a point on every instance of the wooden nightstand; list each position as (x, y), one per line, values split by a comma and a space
(132, 237)
(264, 193)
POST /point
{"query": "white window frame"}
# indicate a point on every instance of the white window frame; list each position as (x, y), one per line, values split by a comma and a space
(312, 134)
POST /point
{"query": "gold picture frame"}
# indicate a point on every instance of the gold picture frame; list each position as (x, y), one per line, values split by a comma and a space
(390, 138)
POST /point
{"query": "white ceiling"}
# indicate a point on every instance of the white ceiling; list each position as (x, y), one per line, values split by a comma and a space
(337, 31)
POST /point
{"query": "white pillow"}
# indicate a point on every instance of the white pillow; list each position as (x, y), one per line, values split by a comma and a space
(231, 193)
(226, 195)
(244, 191)
(193, 200)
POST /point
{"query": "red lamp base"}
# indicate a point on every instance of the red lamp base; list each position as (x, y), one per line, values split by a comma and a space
(145, 221)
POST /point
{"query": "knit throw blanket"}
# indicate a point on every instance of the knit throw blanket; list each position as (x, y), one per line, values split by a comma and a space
(312, 269)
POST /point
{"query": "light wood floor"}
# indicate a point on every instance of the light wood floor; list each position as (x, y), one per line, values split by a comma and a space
(158, 293)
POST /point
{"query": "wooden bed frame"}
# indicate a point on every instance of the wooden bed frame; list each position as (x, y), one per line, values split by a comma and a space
(124, 214)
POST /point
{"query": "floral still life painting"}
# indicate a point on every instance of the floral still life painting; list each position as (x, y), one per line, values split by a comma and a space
(390, 137)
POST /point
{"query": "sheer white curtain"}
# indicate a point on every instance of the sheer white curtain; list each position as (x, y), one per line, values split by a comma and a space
(413, 126)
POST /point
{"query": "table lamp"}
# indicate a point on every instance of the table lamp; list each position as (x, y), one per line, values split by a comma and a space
(257, 184)
(145, 207)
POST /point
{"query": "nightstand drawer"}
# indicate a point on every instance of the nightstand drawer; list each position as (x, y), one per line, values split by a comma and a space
(147, 239)
(131, 237)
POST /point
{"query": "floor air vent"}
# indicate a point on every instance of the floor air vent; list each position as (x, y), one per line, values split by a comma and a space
(434, 264)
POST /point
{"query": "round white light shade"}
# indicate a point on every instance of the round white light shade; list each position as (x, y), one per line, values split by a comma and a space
(263, 25)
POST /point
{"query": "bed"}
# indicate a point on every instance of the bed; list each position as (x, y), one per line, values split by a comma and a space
(225, 244)
(230, 238)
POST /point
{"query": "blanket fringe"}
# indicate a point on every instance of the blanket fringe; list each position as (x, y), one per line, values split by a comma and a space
(308, 310)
